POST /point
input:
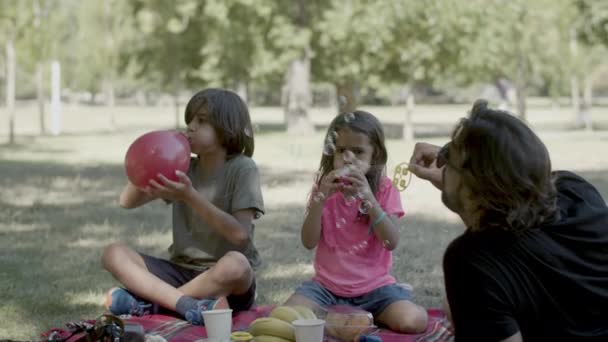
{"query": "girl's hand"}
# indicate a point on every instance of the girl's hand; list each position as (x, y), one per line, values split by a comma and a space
(355, 183)
(329, 183)
(181, 190)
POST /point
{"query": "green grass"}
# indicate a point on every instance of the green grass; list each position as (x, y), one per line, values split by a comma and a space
(58, 207)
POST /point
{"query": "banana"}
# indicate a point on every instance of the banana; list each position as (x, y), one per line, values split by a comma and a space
(305, 312)
(286, 313)
(266, 338)
(270, 326)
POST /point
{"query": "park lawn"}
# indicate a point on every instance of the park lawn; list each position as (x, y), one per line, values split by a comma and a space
(58, 208)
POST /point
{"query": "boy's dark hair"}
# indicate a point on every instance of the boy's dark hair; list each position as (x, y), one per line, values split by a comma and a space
(507, 168)
(365, 123)
(228, 115)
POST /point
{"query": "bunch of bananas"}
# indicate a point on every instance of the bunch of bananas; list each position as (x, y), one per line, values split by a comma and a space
(277, 327)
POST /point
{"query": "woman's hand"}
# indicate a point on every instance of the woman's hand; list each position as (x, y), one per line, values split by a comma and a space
(423, 163)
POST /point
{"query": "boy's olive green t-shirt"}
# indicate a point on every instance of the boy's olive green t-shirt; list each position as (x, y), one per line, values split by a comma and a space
(236, 187)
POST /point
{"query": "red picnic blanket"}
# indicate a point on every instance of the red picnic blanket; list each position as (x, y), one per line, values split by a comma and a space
(177, 330)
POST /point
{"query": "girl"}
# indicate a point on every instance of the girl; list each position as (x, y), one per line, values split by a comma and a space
(351, 219)
(214, 206)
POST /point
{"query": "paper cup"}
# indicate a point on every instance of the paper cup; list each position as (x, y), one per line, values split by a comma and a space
(309, 330)
(218, 324)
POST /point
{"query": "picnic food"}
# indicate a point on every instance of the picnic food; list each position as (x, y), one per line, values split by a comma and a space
(305, 312)
(286, 313)
(346, 323)
(265, 338)
(270, 326)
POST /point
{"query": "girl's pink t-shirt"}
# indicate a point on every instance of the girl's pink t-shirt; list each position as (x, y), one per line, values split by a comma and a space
(349, 261)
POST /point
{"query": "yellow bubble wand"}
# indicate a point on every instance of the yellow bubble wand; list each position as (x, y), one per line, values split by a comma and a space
(402, 176)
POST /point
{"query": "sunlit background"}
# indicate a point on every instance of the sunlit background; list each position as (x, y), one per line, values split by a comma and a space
(80, 80)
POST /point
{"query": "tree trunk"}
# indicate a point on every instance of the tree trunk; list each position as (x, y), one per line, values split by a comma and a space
(108, 87)
(408, 125)
(39, 67)
(575, 91)
(520, 89)
(520, 92)
(587, 103)
(40, 97)
(575, 94)
(502, 86)
(240, 87)
(55, 98)
(10, 88)
(296, 96)
(177, 113)
(108, 83)
(347, 95)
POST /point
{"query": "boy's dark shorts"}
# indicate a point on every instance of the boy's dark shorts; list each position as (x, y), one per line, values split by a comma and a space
(176, 276)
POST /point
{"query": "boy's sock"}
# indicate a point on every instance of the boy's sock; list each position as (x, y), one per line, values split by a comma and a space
(185, 303)
(190, 308)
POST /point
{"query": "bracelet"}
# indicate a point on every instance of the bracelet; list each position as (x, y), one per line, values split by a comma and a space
(379, 219)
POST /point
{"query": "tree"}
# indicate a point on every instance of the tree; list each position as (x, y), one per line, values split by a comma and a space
(166, 48)
(588, 27)
(425, 40)
(348, 43)
(295, 43)
(38, 45)
(189, 43)
(592, 21)
(14, 19)
(504, 42)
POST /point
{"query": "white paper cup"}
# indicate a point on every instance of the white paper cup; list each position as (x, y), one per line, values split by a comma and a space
(218, 324)
(309, 330)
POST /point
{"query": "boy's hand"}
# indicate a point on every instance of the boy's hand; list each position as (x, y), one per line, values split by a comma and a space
(181, 190)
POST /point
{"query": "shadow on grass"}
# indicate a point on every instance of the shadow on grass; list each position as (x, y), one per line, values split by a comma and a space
(26, 147)
(55, 220)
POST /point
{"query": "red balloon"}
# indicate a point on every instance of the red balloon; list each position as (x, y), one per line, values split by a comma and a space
(157, 152)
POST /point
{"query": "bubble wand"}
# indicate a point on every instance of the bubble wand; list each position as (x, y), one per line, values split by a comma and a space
(402, 176)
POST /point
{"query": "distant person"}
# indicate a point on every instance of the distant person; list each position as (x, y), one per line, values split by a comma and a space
(352, 221)
(214, 205)
(532, 264)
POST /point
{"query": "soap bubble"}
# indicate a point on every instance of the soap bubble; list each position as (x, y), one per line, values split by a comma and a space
(247, 132)
(318, 197)
(349, 200)
(348, 117)
(329, 149)
(342, 101)
(364, 207)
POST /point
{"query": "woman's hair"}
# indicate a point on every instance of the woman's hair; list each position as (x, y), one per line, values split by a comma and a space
(228, 115)
(507, 169)
(359, 122)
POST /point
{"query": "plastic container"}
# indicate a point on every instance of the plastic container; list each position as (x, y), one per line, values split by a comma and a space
(346, 323)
